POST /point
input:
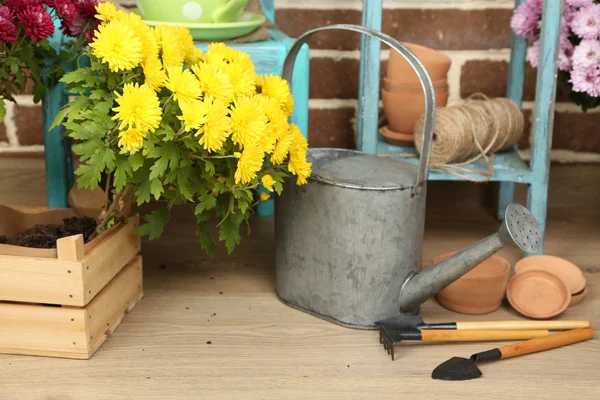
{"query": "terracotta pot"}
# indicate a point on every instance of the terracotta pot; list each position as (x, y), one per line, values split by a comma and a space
(480, 291)
(436, 63)
(538, 294)
(399, 139)
(393, 86)
(403, 108)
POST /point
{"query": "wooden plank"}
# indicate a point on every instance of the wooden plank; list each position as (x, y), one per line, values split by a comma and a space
(368, 88)
(103, 263)
(40, 280)
(37, 329)
(70, 248)
(107, 310)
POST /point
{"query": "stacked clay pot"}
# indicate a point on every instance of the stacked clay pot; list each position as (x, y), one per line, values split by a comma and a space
(402, 94)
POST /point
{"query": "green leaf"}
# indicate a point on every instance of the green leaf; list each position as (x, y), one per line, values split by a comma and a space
(210, 168)
(278, 187)
(229, 232)
(71, 110)
(243, 205)
(2, 109)
(156, 188)
(87, 148)
(87, 177)
(98, 94)
(207, 202)
(136, 161)
(142, 193)
(155, 223)
(39, 90)
(159, 167)
(123, 170)
(206, 240)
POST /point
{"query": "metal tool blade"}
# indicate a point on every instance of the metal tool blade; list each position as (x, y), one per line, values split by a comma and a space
(456, 369)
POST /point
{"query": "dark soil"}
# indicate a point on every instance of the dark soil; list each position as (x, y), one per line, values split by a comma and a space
(45, 236)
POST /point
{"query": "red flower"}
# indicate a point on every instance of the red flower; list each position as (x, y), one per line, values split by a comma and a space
(18, 5)
(8, 30)
(86, 7)
(75, 28)
(37, 22)
(65, 9)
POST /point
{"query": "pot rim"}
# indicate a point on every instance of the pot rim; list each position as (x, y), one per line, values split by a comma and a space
(505, 270)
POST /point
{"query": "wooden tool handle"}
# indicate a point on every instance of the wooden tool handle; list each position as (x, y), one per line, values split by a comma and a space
(551, 325)
(481, 335)
(547, 343)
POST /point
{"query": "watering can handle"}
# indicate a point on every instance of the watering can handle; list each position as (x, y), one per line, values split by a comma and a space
(414, 62)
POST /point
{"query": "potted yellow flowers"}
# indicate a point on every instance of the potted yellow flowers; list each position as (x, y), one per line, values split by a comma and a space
(161, 120)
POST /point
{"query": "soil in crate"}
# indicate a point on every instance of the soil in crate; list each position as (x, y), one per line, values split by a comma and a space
(45, 236)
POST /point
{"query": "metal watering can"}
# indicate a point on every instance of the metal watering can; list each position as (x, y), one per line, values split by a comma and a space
(348, 243)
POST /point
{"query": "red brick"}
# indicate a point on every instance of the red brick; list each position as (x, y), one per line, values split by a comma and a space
(332, 128)
(29, 125)
(335, 78)
(577, 132)
(447, 29)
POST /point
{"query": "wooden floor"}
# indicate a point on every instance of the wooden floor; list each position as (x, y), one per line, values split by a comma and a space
(214, 329)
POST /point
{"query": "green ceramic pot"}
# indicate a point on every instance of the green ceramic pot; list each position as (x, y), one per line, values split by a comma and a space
(192, 11)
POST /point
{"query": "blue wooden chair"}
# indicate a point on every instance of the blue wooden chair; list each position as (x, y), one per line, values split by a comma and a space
(508, 166)
(267, 55)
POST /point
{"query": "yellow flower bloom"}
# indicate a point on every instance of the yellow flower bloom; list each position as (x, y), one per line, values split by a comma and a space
(194, 114)
(139, 108)
(218, 51)
(282, 147)
(299, 166)
(264, 196)
(213, 82)
(173, 54)
(131, 140)
(117, 44)
(154, 75)
(249, 163)
(275, 87)
(149, 43)
(267, 181)
(248, 121)
(277, 122)
(186, 42)
(217, 127)
(242, 79)
(106, 11)
(299, 142)
(183, 84)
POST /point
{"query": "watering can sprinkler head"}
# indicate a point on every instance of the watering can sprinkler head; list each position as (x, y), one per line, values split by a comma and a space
(519, 228)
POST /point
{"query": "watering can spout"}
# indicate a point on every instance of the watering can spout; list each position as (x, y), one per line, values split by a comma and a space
(519, 228)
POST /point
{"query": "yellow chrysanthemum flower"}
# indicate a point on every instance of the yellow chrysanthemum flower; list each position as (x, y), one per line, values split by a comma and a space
(213, 82)
(299, 142)
(106, 11)
(149, 43)
(242, 79)
(277, 122)
(139, 108)
(183, 84)
(264, 196)
(250, 161)
(194, 114)
(186, 42)
(282, 147)
(267, 181)
(219, 51)
(117, 44)
(217, 127)
(154, 74)
(299, 166)
(131, 140)
(172, 52)
(248, 121)
(275, 87)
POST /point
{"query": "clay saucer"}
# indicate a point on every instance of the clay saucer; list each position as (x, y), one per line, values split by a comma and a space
(577, 297)
(399, 139)
(538, 294)
(568, 272)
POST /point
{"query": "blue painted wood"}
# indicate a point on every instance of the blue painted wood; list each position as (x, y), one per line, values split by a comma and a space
(268, 7)
(508, 165)
(543, 115)
(368, 89)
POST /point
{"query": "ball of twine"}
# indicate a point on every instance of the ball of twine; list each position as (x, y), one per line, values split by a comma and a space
(472, 130)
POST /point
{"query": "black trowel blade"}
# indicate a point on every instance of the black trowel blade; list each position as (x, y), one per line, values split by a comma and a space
(456, 369)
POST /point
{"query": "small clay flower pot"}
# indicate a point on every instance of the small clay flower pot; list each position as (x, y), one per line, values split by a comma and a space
(480, 291)
(398, 139)
(436, 63)
(404, 107)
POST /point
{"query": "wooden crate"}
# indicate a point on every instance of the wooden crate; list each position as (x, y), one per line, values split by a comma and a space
(63, 302)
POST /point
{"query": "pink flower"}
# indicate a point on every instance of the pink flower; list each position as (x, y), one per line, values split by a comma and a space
(75, 28)
(18, 5)
(526, 17)
(37, 22)
(586, 54)
(578, 3)
(86, 7)
(586, 22)
(533, 54)
(586, 80)
(65, 9)
(8, 30)
(565, 53)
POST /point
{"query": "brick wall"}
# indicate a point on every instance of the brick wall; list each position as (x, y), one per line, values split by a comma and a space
(474, 33)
